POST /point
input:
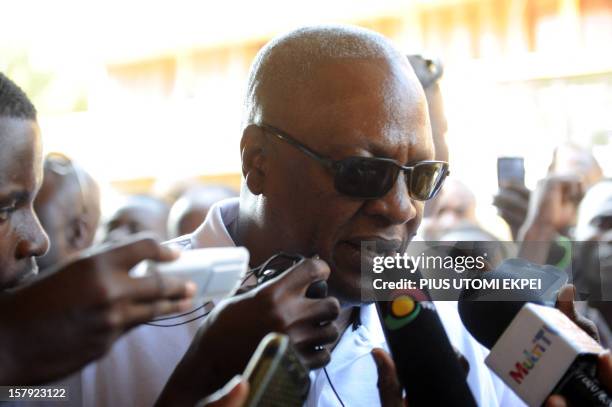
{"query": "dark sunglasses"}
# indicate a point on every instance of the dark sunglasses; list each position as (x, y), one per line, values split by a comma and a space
(372, 177)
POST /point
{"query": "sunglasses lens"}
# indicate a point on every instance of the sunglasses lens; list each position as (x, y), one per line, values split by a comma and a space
(426, 179)
(365, 177)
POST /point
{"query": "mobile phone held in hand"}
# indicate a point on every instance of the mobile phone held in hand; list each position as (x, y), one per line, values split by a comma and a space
(275, 374)
(510, 171)
(216, 272)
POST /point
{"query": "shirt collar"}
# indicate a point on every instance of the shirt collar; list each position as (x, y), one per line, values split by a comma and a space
(359, 342)
(214, 232)
(371, 322)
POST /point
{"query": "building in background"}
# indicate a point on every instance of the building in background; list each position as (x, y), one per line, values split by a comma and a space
(154, 88)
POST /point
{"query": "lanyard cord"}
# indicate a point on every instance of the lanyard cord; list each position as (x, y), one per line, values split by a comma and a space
(355, 323)
(332, 387)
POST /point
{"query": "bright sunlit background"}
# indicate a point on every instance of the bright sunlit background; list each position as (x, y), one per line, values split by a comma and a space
(143, 93)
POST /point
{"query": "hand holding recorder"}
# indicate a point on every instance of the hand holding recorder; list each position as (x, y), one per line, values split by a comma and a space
(537, 351)
(70, 317)
(238, 324)
(604, 374)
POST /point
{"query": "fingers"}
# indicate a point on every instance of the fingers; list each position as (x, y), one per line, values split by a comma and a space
(507, 199)
(604, 370)
(313, 358)
(565, 303)
(233, 394)
(512, 205)
(587, 326)
(157, 286)
(321, 311)
(513, 218)
(308, 337)
(132, 251)
(516, 188)
(137, 314)
(303, 274)
(389, 388)
(573, 189)
(309, 342)
(123, 315)
(569, 185)
(556, 401)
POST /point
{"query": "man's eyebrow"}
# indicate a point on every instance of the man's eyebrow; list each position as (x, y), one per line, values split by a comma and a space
(416, 153)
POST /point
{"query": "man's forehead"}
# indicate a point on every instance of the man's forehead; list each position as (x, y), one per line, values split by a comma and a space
(20, 149)
(333, 84)
(336, 79)
(372, 103)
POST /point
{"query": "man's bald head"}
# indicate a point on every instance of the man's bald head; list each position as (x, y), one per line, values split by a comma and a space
(135, 214)
(190, 210)
(286, 70)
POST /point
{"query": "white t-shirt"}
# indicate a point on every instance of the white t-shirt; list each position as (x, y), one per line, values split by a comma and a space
(139, 364)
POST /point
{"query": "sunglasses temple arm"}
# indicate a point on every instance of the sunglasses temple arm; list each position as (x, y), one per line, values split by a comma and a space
(323, 160)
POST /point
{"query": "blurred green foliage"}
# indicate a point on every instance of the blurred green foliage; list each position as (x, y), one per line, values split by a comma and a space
(44, 86)
(34, 82)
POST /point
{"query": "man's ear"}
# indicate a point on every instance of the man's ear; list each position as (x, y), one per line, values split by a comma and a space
(78, 234)
(254, 163)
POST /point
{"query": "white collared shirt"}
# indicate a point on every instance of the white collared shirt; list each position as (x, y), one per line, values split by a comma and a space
(136, 369)
(353, 374)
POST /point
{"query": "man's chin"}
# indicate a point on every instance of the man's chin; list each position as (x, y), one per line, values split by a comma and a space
(347, 290)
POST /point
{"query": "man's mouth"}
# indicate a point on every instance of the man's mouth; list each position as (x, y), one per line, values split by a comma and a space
(28, 271)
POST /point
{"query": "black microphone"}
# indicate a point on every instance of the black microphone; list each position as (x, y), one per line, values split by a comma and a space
(535, 349)
(426, 363)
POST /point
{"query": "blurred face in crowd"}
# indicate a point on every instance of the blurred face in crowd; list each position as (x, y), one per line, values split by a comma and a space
(68, 211)
(369, 108)
(455, 205)
(138, 214)
(191, 219)
(190, 210)
(21, 235)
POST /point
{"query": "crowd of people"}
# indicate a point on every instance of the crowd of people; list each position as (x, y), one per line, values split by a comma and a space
(343, 142)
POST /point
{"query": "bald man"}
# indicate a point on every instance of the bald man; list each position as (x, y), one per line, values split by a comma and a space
(138, 213)
(68, 207)
(191, 208)
(325, 110)
(456, 205)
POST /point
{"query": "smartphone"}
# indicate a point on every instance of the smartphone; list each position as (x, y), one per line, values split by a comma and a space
(276, 376)
(510, 171)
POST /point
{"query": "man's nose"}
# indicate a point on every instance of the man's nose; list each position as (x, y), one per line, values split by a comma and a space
(33, 241)
(396, 207)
